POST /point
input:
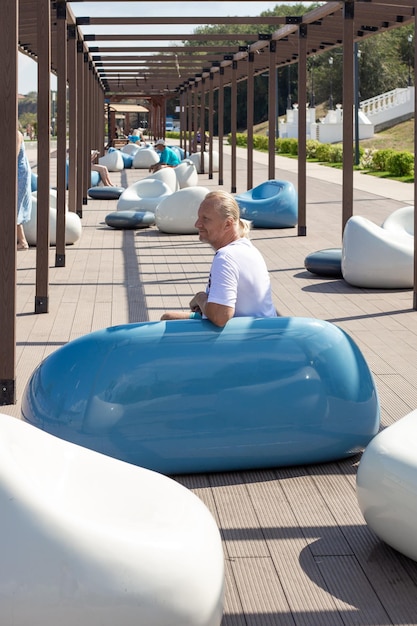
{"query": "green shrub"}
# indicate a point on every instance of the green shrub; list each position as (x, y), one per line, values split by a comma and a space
(260, 142)
(311, 147)
(241, 140)
(380, 160)
(172, 134)
(336, 153)
(288, 146)
(401, 164)
(323, 152)
(398, 164)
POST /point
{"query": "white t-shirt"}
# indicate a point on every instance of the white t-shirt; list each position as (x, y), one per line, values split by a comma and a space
(239, 278)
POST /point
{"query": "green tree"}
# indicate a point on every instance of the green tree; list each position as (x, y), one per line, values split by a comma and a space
(385, 62)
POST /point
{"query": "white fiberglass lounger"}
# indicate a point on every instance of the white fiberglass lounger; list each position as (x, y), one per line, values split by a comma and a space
(144, 195)
(89, 540)
(376, 257)
(387, 485)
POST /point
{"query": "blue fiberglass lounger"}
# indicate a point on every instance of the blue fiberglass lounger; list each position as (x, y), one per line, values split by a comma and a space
(186, 396)
(272, 204)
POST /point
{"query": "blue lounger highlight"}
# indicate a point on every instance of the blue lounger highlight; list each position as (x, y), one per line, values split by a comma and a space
(186, 396)
(272, 204)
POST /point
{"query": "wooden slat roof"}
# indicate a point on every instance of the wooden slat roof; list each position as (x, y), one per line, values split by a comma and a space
(148, 70)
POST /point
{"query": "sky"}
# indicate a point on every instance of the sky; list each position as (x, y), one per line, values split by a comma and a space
(27, 69)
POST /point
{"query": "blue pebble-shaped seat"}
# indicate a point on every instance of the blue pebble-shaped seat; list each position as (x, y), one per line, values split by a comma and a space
(187, 396)
(127, 160)
(105, 193)
(179, 152)
(34, 181)
(272, 204)
(327, 262)
(130, 220)
(94, 176)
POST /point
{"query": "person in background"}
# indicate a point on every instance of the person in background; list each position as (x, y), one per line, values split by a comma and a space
(101, 169)
(239, 283)
(136, 136)
(24, 193)
(167, 156)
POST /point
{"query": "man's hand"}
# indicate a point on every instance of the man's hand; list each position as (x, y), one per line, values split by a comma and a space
(198, 302)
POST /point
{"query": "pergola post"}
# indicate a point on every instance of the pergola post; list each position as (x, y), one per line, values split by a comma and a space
(8, 213)
(44, 150)
(221, 122)
(302, 130)
(195, 114)
(233, 124)
(61, 35)
(211, 124)
(85, 112)
(348, 101)
(249, 120)
(190, 117)
(415, 161)
(201, 126)
(272, 88)
(73, 195)
(80, 127)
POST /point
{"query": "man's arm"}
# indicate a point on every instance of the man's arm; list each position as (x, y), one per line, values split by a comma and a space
(218, 314)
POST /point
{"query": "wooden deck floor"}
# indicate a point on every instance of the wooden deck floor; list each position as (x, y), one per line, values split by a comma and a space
(297, 549)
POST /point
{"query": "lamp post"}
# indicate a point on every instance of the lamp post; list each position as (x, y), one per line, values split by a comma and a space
(289, 87)
(331, 84)
(312, 97)
(410, 40)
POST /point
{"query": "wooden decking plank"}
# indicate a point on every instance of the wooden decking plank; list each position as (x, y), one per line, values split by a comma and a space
(352, 592)
(239, 524)
(394, 586)
(289, 546)
(233, 614)
(394, 406)
(263, 599)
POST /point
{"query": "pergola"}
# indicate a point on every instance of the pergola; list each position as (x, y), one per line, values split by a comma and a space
(93, 75)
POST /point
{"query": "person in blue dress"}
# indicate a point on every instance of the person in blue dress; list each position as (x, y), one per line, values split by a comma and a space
(167, 156)
(24, 193)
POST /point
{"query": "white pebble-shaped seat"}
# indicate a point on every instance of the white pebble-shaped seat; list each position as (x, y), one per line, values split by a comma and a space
(178, 213)
(144, 195)
(167, 175)
(186, 173)
(375, 257)
(130, 148)
(73, 226)
(386, 485)
(113, 161)
(52, 198)
(90, 540)
(202, 158)
(401, 221)
(145, 158)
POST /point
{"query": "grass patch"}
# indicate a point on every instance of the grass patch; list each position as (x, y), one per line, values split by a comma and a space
(401, 179)
(399, 138)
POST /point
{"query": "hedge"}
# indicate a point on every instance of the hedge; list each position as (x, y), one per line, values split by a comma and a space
(398, 164)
